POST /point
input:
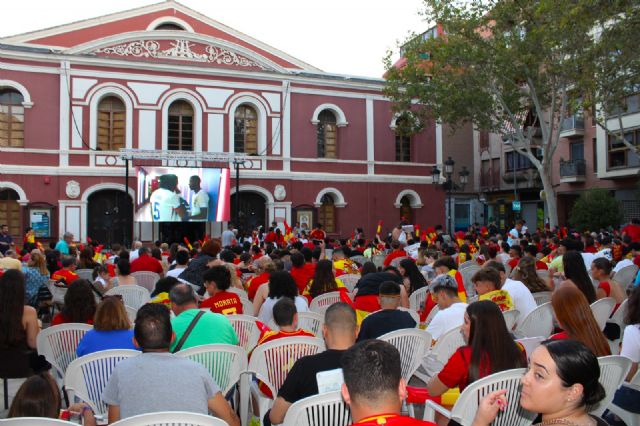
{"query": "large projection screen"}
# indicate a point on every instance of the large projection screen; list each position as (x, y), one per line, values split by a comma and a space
(182, 194)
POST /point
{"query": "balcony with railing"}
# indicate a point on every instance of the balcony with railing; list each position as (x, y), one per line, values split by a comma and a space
(572, 126)
(489, 180)
(572, 171)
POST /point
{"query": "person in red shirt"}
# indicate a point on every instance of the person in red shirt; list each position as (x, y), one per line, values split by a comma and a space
(145, 262)
(397, 252)
(373, 385)
(532, 251)
(318, 233)
(264, 268)
(515, 253)
(67, 274)
(217, 281)
(302, 270)
(632, 230)
(270, 237)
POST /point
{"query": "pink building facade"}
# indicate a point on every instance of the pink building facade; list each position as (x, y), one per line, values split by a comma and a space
(164, 78)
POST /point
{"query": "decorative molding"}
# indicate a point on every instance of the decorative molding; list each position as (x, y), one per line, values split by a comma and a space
(72, 189)
(341, 119)
(414, 199)
(170, 20)
(279, 192)
(338, 198)
(181, 49)
(22, 196)
(26, 97)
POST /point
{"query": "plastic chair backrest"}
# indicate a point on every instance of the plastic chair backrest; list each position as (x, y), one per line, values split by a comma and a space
(432, 314)
(510, 318)
(246, 329)
(225, 362)
(413, 313)
(327, 409)
(466, 406)
(467, 273)
(87, 376)
(85, 274)
(58, 344)
(171, 418)
(132, 295)
(413, 344)
(396, 262)
(447, 344)
(618, 315)
(321, 303)
(541, 297)
(309, 321)
(131, 313)
(418, 298)
(240, 292)
(272, 361)
(602, 309)
(247, 306)
(34, 421)
(543, 274)
(359, 259)
(613, 371)
(378, 260)
(57, 292)
(539, 322)
(466, 264)
(530, 344)
(626, 275)
(349, 280)
(146, 279)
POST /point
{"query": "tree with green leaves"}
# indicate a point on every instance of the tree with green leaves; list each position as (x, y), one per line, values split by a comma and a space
(596, 209)
(516, 68)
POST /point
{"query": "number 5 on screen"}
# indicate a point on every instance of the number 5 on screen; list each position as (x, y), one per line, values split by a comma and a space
(156, 211)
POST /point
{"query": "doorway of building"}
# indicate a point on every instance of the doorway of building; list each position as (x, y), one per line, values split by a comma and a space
(110, 217)
(10, 213)
(176, 232)
(253, 211)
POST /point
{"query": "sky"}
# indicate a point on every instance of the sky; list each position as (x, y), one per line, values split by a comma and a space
(338, 36)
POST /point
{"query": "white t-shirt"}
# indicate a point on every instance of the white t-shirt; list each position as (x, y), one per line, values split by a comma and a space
(175, 272)
(587, 258)
(446, 319)
(200, 201)
(522, 298)
(163, 203)
(266, 310)
(631, 342)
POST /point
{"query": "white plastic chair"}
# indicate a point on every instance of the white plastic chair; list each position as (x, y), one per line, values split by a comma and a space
(464, 410)
(309, 321)
(146, 279)
(413, 313)
(349, 280)
(539, 322)
(602, 310)
(626, 275)
(396, 262)
(247, 306)
(466, 264)
(171, 418)
(418, 298)
(35, 421)
(87, 376)
(85, 274)
(132, 314)
(542, 297)
(57, 292)
(630, 419)
(132, 295)
(510, 318)
(543, 274)
(618, 319)
(413, 344)
(445, 346)
(246, 329)
(271, 362)
(321, 303)
(58, 344)
(613, 370)
(359, 259)
(378, 260)
(432, 314)
(530, 344)
(225, 362)
(467, 273)
(240, 292)
(327, 409)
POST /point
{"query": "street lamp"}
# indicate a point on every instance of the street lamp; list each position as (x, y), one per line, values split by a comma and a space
(449, 185)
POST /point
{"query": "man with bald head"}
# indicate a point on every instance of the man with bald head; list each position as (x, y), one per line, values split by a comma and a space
(340, 330)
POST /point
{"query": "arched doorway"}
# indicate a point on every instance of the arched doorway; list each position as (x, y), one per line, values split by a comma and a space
(10, 213)
(110, 217)
(406, 212)
(253, 211)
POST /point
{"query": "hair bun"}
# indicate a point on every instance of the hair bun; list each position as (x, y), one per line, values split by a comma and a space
(594, 394)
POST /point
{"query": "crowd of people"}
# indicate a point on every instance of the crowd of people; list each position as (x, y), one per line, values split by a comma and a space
(278, 274)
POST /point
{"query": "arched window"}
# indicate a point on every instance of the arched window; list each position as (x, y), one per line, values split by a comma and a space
(406, 212)
(403, 140)
(180, 126)
(245, 130)
(327, 213)
(111, 124)
(170, 26)
(327, 135)
(10, 211)
(11, 118)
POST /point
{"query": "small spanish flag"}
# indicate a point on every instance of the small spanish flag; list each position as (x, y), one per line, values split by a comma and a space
(379, 228)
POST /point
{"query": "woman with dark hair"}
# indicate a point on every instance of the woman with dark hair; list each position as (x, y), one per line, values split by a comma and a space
(576, 275)
(367, 268)
(412, 277)
(281, 284)
(111, 328)
(18, 322)
(526, 273)
(39, 397)
(200, 263)
(575, 317)
(160, 293)
(79, 304)
(86, 259)
(323, 280)
(562, 385)
(123, 273)
(601, 272)
(53, 261)
(490, 348)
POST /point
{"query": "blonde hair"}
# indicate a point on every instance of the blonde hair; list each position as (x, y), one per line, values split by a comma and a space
(37, 260)
(235, 280)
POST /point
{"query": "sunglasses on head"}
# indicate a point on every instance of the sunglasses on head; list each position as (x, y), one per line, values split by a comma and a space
(113, 296)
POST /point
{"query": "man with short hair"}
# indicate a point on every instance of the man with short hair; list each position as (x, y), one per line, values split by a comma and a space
(68, 272)
(515, 253)
(6, 240)
(145, 262)
(10, 261)
(285, 315)
(373, 385)
(488, 285)
(63, 245)
(388, 318)
(444, 290)
(521, 296)
(157, 380)
(199, 202)
(531, 250)
(209, 328)
(133, 254)
(514, 235)
(339, 330)
(217, 281)
(182, 261)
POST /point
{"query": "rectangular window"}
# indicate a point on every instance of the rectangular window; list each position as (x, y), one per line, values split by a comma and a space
(11, 126)
(111, 130)
(180, 133)
(619, 154)
(576, 151)
(517, 161)
(403, 148)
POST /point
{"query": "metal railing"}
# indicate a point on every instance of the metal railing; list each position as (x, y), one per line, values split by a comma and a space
(572, 168)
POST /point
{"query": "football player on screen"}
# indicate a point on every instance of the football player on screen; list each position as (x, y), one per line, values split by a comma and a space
(166, 203)
(199, 202)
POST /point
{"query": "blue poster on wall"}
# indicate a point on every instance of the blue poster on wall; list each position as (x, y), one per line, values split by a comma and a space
(40, 222)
